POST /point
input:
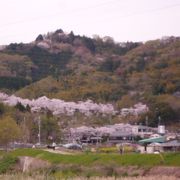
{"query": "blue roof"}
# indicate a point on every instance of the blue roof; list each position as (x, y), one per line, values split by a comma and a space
(159, 139)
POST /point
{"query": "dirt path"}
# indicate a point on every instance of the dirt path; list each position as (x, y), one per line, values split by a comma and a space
(59, 151)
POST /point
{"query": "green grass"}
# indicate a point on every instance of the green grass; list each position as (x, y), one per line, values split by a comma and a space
(2, 153)
(114, 149)
(108, 149)
(91, 159)
(7, 162)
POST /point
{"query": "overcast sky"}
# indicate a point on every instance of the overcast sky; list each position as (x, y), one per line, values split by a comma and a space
(124, 20)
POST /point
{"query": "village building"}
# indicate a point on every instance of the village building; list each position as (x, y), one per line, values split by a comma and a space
(152, 139)
(159, 144)
(143, 131)
(116, 133)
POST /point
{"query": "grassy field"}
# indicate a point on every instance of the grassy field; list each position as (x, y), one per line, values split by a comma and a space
(91, 159)
(88, 165)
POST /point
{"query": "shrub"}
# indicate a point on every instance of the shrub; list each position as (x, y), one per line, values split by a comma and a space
(7, 163)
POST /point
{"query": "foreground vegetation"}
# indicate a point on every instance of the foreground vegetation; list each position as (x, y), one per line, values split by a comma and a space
(85, 165)
(91, 159)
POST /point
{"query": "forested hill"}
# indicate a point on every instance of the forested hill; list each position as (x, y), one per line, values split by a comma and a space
(74, 68)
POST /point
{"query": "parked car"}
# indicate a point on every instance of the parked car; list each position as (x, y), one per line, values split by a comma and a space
(73, 146)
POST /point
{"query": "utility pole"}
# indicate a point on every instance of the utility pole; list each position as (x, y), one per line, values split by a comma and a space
(159, 120)
(110, 118)
(39, 126)
(147, 121)
(24, 129)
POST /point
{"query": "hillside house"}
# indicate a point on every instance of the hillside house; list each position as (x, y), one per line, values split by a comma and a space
(143, 131)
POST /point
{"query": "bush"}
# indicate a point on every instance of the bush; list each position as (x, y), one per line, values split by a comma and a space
(6, 163)
(13, 82)
(2, 109)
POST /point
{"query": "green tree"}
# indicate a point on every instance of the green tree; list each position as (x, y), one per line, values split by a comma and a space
(50, 130)
(160, 110)
(165, 111)
(20, 107)
(2, 109)
(158, 87)
(125, 102)
(9, 131)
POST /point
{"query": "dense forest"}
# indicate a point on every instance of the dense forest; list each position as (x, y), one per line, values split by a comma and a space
(77, 68)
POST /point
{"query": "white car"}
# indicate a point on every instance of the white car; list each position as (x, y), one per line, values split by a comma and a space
(72, 146)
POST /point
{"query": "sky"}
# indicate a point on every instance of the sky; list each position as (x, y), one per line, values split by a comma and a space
(123, 20)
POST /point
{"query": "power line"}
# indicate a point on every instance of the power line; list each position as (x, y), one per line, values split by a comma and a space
(91, 7)
(86, 8)
(137, 13)
(151, 10)
(55, 14)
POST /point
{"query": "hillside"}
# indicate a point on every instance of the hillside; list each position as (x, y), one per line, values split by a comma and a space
(74, 68)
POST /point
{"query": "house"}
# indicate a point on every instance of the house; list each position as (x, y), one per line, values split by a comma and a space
(159, 144)
(172, 145)
(168, 146)
(119, 137)
(147, 145)
(116, 133)
(159, 139)
(143, 131)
